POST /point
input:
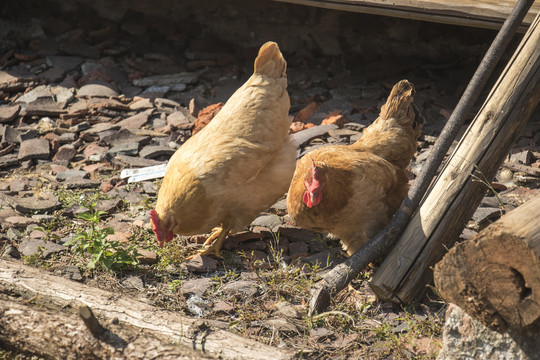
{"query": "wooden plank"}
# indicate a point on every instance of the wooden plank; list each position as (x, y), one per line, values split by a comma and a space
(457, 193)
(205, 335)
(478, 13)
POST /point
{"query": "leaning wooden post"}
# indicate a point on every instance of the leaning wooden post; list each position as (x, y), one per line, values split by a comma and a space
(495, 276)
(454, 197)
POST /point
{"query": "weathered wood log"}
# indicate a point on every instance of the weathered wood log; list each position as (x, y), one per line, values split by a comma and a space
(495, 276)
(338, 278)
(481, 13)
(55, 334)
(208, 336)
(456, 193)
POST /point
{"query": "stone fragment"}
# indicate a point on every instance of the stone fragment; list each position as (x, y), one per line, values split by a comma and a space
(8, 161)
(179, 120)
(70, 174)
(335, 117)
(245, 288)
(65, 153)
(298, 249)
(147, 257)
(80, 49)
(52, 75)
(8, 113)
(132, 161)
(34, 149)
(483, 216)
(9, 134)
(18, 185)
(66, 63)
(268, 221)
(19, 221)
(154, 151)
(297, 234)
(201, 264)
(125, 136)
(133, 282)
(206, 115)
(136, 121)
(13, 81)
(80, 183)
(10, 252)
(32, 205)
(178, 79)
(44, 107)
(71, 272)
(97, 89)
(141, 104)
(130, 149)
(304, 114)
(42, 91)
(195, 286)
(29, 247)
(108, 205)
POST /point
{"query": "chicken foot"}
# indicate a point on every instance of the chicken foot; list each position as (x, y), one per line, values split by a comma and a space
(214, 247)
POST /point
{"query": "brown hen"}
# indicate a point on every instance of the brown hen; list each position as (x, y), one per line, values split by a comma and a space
(352, 191)
(235, 167)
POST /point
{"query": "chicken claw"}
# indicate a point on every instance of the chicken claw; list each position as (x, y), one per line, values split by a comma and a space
(213, 248)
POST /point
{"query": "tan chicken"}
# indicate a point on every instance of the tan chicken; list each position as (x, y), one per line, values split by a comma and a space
(352, 191)
(237, 166)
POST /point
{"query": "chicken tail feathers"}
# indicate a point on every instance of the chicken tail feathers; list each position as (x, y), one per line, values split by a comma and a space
(270, 62)
(399, 102)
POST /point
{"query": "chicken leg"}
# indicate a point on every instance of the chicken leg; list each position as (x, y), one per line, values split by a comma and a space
(219, 234)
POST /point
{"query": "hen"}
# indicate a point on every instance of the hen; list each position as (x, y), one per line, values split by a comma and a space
(352, 191)
(235, 167)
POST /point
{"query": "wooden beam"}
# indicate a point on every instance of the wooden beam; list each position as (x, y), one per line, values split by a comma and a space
(495, 276)
(457, 192)
(488, 14)
(207, 336)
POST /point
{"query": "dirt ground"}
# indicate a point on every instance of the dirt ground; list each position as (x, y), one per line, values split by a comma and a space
(82, 100)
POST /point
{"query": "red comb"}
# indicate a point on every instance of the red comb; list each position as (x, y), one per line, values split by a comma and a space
(155, 218)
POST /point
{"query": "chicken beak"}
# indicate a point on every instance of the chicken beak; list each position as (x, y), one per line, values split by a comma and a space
(312, 197)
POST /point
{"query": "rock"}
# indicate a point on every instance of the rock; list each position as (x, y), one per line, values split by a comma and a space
(133, 282)
(280, 207)
(80, 49)
(71, 272)
(245, 288)
(10, 252)
(154, 151)
(268, 221)
(296, 234)
(124, 136)
(15, 81)
(173, 80)
(136, 121)
(222, 306)
(206, 115)
(130, 149)
(18, 185)
(141, 104)
(179, 120)
(97, 89)
(147, 257)
(8, 160)
(201, 264)
(19, 221)
(34, 149)
(342, 133)
(523, 157)
(29, 247)
(65, 153)
(74, 210)
(52, 75)
(32, 205)
(8, 113)
(483, 216)
(132, 161)
(108, 205)
(298, 249)
(195, 286)
(42, 91)
(466, 338)
(80, 183)
(286, 309)
(304, 114)
(66, 63)
(70, 174)
(336, 118)
(303, 137)
(10, 135)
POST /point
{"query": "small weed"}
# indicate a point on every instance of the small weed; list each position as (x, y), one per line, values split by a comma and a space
(106, 254)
